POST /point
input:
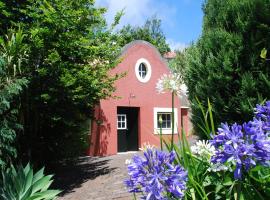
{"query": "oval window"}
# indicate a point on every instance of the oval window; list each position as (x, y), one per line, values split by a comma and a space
(143, 70)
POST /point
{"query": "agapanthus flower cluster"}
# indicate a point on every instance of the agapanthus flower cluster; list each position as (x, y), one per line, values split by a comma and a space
(262, 113)
(155, 176)
(244, 146)
(171, 83)
(203, 149)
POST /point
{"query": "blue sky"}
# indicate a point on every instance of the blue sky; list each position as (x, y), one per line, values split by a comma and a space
(181, 19)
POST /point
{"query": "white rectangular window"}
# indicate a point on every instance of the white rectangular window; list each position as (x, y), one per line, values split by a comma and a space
(166, 115)
(164, 120)
(121, 121)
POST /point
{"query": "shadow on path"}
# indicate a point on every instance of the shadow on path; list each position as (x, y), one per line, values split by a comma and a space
(70, 176)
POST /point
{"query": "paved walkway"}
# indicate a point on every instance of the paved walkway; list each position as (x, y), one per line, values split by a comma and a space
(94, 179)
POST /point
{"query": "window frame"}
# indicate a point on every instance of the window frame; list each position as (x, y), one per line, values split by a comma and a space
(165, 131)
(148, 74)
(121, 121)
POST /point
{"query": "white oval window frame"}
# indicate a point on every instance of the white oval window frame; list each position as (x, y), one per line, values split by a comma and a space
(148, 70)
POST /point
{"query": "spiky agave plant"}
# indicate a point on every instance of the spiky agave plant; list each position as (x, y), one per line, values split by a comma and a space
(23, 184)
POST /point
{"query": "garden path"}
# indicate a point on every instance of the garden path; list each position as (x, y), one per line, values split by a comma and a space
(94, 179)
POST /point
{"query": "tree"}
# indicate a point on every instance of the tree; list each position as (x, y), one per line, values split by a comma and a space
(151, 32)
(12, 59)
(178, 64)
(71, 50)
(225, 65)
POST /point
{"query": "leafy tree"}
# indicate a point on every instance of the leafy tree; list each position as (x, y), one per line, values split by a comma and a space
(151, 32)
(71, 50)
(225, 65)
(178, 64)
(12, 58)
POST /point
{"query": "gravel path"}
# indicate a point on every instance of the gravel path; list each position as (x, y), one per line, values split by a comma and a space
(94, 179)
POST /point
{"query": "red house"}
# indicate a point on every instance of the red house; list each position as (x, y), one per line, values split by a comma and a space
(126, 123)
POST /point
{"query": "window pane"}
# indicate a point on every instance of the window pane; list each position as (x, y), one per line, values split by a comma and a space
(142, 70)
(164, 124)
(164, 117)
(166, 120)
(168, 124)
(119, 125)
(123, 124)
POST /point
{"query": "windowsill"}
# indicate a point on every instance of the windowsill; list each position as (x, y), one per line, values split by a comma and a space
(164, 131)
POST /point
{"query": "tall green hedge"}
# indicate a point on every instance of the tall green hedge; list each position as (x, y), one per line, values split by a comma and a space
(224, 65)
(70, 52)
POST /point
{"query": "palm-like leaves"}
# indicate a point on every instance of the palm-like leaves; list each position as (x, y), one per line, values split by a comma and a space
(23, 184)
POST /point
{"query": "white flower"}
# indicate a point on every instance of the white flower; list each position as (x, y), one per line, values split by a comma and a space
(146, 146)
(98, 62)
(172, 83)
(128, 161)
(203, 149)
(184, 89)
(217, 167)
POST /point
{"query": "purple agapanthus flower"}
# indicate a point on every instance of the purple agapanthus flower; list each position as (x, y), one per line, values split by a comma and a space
(245, 145)
(155, 176)
(262, 112)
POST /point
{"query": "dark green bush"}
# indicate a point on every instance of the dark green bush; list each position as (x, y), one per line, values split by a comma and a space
(225, 64)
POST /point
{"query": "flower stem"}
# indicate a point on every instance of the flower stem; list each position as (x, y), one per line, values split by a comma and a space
(160, 135)
(172, 139)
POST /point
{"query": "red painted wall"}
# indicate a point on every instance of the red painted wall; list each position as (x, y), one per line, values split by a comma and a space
(132, 93)
(185, 120)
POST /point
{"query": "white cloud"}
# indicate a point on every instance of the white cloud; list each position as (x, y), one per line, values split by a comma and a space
(176, 45)
(136, 11)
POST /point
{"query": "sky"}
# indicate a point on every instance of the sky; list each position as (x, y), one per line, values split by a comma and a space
(181, 19)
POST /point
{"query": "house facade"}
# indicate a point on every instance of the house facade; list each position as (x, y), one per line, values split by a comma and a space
(127, 122)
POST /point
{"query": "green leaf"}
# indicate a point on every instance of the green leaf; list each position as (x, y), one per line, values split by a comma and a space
(38, 185)
(263, 53)
(228, 181)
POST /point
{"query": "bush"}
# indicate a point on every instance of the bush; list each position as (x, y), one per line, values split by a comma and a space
(12, 58)
(225, 65)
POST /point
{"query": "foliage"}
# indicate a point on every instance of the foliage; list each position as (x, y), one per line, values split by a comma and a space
(155, 176)
(225, 63)
(212, 178)
(12, 59)
(151, 32)
(71, 50)
(178, 64)
(24, 184)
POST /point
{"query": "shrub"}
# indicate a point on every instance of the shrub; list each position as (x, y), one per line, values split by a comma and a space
(224, 64)
(23, 184)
